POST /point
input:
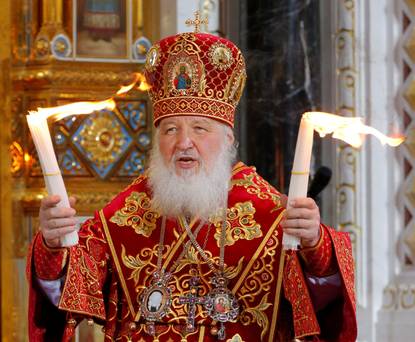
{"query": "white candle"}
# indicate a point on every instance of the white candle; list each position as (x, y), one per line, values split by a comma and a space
(300, 172)
(54, 182)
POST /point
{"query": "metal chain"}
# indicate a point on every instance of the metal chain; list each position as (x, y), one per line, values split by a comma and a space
(161, 244)
(202, 252)
(193, 240)
(186, 248)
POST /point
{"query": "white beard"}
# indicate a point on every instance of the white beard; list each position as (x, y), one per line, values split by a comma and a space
(199, 194)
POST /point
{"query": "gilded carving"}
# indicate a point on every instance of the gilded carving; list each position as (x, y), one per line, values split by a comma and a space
(399, 297)
(348, 158)
(17, 158)
(102, 139)
(42, 47)
(240, 224)
(82, 76)
(137, 214)
(98, 200)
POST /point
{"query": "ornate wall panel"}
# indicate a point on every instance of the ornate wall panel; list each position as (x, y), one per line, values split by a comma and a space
(407, 53)
(98, 154)
(9, 297)
(348, 158)
(397, 314)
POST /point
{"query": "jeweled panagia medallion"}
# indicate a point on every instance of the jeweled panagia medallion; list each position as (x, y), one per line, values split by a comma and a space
(221, 305)
(155, 300)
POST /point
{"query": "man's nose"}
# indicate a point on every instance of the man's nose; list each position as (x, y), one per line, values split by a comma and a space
(184, 140)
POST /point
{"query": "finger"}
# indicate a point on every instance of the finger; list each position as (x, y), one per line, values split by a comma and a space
(298, 223)
(300, 233)
(303, 202)
(302, 213)
(57, 233)
(59, 223)
(49, 201)
(72, 201)
(58, 212)
(284, 200)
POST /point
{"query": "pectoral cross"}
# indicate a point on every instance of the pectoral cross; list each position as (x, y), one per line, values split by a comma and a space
(192, 299)
(197, 22)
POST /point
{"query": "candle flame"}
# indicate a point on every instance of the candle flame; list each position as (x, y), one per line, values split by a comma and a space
(88, 107)
(76, 108)
(348, 129)
(138, 78)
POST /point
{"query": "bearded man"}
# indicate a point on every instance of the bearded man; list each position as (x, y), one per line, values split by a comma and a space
(198, 229)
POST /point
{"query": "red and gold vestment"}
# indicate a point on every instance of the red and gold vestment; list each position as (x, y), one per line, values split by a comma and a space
(117, 255)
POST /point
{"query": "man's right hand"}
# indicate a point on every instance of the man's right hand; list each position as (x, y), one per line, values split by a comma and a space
(56, 222)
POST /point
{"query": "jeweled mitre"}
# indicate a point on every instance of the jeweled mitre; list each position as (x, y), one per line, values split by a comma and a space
(195, 74)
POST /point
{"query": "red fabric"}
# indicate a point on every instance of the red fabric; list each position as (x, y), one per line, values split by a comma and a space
(337, 321)
(116, 256)
(49, 262)
(319, 260)
(46, 322)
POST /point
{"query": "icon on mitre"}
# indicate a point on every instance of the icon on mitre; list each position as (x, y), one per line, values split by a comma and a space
(183, 80)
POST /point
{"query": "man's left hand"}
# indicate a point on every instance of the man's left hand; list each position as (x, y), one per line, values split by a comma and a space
(302, 219)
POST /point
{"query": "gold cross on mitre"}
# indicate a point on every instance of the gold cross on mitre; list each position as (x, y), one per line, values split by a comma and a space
(197, 22)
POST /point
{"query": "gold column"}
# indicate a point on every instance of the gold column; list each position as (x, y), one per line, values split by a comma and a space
(7, 290)
(52, 24)
(52, 16)
(151, 19)
(139, 19)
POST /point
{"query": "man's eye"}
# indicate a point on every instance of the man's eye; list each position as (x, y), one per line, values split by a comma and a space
(200, 129)
(170, 130)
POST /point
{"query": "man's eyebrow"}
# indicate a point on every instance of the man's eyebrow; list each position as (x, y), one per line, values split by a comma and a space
(167, 122)
(202, 121)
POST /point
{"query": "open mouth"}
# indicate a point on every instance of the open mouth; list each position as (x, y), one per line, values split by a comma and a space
(186, 159)
(186, 162)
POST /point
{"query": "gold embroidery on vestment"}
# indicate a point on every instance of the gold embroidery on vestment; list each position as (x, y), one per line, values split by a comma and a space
(257, 278)
(258, 284)
(258, 315)
(240, 224)
(255, 185)
(137, 214)
(137, 263)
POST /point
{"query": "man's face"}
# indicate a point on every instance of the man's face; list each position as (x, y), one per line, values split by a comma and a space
(187, 142)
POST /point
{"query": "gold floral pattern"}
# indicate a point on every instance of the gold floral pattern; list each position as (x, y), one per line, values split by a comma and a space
(259, 315)
(240, 224)
(256, 185)
(259, 283)
(137, 263)
(137, 214)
